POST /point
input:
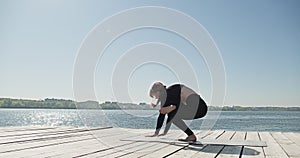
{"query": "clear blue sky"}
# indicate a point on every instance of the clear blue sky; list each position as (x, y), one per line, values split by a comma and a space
(258, 41)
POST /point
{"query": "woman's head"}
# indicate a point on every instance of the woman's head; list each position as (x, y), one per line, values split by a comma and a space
(157, 89)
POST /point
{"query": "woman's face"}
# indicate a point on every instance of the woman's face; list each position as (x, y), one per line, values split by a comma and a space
(156, 95)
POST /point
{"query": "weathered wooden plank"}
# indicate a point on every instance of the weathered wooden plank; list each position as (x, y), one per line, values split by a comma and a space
(233, 151)
(137, 149)
(291, 148)
(253, 152)
(46, 137)
(193, 150)
(12, 132)
(80, 142)
(77, 148)
(80, 149)
(24, 150)
(109, 143)
(24, 128)
(139, 131)
(37, 144)
(104, 144)
(293, 137)
(273, 150)
(53, 140)
(128, 149)
(20, 137)
(124, 147)
(252, 143)
(211, 151)
(35, 130)
(52, 147)
(61, 149)
(165, 150)
(297, 134)
(150, 147)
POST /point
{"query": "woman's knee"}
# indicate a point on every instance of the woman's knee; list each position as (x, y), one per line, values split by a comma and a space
(202, 109)
(199, 105)
(180, 123)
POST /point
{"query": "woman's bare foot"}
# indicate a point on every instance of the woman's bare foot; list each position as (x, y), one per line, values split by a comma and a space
(191, 138)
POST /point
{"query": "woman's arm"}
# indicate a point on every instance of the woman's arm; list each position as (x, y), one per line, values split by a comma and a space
(168, 109)
(159, 124)
(154, 102)
(168, 125)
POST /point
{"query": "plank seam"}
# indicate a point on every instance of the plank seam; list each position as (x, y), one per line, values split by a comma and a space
(97, 151)
(225, 145)
(96, 139)
(183, 147)
(94, 152)
(263, 148)
(242, 149)
(220, 135)
(280, 145)
(58, 132)
(188, 144)
(30, 129)
(151, 146)
(175, 151)
(47, 138)
(53, 144)
(130, 152)
(290, 139)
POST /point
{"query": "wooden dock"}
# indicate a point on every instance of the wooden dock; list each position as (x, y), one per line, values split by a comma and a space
(37, 142)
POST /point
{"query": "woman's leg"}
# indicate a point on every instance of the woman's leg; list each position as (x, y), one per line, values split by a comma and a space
(195, 108)
(181, 125)
(202, 108)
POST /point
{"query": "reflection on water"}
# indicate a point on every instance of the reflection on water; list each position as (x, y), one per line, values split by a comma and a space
(228, 120)
(41, 117)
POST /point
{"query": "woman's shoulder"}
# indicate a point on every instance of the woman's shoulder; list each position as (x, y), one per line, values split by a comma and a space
(174, 86)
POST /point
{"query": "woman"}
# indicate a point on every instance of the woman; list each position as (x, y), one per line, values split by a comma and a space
(180, 103)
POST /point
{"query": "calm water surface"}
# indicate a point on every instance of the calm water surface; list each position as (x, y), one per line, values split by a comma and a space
(228, 120)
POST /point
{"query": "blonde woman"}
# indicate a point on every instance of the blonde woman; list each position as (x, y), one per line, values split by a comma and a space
(180, 103)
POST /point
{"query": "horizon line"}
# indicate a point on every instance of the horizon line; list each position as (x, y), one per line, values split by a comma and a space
(36, 99)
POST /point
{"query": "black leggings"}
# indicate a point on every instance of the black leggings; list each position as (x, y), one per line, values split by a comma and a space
(194, 109)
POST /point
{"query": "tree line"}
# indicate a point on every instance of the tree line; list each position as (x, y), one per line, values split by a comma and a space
(51, 103)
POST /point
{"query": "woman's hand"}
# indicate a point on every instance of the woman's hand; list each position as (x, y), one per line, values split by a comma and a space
(163, 134)
(167, 109)
(153, 135)
(163, 110)
(153, 105)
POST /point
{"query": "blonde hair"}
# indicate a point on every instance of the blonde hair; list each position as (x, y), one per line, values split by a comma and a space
(156, 87)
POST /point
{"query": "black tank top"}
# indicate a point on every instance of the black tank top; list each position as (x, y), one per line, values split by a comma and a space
(172, 97)
(169, 97)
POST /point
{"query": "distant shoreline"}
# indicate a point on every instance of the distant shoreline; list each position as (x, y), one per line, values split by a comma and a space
(32, 108)
(8, 103)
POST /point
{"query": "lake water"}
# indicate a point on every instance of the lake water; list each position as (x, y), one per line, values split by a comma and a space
(285, 121)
